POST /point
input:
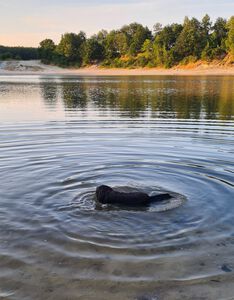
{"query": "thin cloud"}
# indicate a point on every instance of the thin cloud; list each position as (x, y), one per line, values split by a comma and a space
(43, 18)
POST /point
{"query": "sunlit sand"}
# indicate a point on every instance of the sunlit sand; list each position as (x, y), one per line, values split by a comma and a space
(36, 67)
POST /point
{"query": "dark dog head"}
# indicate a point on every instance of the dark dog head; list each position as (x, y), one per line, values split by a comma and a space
(101, 193)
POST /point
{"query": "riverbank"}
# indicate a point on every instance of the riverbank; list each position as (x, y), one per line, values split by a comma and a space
(35, 67)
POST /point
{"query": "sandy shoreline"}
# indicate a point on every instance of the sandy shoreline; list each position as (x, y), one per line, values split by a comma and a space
(35, 67)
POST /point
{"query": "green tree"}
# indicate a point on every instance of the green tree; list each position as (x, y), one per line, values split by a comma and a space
(216, 43)
(157, 28)
(189, 42)
(93, 51)
(164, 44)
(206, 26)
(46, 50)
(136, 34)
(147, 48)
(219, 34)
(121, 42)
(70, 48)
(230, 37)
(101, 36)
(111, 49)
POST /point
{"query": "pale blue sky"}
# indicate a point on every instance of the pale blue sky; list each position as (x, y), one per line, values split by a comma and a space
(27, 22)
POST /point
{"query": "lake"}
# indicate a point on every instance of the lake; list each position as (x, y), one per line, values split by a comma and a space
(61, 137)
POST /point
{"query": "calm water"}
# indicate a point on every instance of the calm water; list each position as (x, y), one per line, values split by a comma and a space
(63, 136)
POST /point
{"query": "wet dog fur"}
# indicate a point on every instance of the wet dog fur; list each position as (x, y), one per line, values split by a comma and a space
(106, 195)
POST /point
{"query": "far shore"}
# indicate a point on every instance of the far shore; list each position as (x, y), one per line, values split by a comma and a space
(35, 67)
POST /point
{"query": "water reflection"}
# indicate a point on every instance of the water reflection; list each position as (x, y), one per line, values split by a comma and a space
(50, 170)
(182, 98)
(133, 97)
(49, 93)
(74, 95)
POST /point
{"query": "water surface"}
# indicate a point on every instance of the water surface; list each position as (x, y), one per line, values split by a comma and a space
(63, 136)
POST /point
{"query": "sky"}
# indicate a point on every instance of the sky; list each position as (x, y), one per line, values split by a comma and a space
(27, 22)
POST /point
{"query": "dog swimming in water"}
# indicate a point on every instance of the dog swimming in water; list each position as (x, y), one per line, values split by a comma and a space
(106, 195)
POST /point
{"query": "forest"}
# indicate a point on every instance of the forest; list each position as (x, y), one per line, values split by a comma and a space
(18, 53)
(134, 45)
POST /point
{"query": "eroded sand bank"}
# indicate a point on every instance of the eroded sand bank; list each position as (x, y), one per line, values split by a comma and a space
(32, 67)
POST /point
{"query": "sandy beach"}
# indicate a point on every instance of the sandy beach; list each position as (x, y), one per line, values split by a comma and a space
(35, 67)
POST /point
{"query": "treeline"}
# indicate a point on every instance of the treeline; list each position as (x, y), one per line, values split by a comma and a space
(136, 46)
(23, 53)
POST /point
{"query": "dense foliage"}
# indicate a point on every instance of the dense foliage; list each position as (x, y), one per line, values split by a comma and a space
(24, 53)
(136, 46)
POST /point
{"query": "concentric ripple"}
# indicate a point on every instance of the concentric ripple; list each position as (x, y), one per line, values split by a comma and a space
(131, 134)
(87, 201)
